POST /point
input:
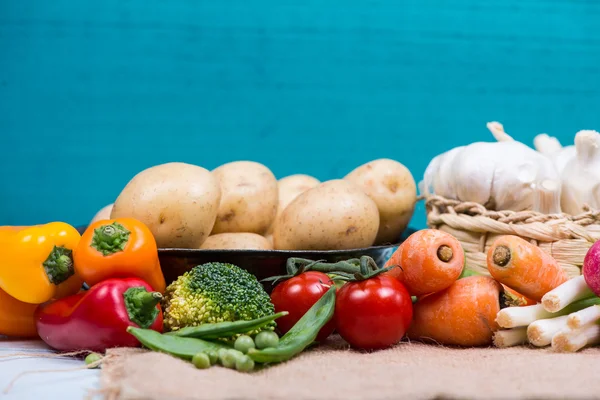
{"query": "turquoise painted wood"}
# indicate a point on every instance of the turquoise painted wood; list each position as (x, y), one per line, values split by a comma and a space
(93, 92)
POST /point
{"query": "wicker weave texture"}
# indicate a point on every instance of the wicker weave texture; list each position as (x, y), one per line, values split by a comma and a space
(566, 238)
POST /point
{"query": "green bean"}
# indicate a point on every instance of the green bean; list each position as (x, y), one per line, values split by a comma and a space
(225, 329)
(302, 334)
(244, 343)
(201, 361)
(182, 347)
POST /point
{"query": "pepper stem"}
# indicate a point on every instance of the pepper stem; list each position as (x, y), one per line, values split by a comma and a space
(109, 239)
(141, 306)
(59, 265)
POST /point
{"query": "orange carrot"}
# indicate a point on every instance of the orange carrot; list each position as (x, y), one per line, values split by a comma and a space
(462, 315)
(524, 267)
(429, 261)
(514, 298)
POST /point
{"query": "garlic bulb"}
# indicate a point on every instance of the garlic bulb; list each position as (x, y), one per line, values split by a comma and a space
(551, 148)
(500, 175)
(581, 175)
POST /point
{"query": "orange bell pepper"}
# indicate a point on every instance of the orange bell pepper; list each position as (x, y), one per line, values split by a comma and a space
(119, 248)
(16, 318)
(37, 262)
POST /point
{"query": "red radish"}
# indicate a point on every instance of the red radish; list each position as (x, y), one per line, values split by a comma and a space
(591, 268)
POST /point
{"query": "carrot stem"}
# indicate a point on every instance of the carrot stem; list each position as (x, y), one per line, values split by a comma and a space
(587, 316)
(572, 290)
(574, 340)
(510, 337)
(541, 332)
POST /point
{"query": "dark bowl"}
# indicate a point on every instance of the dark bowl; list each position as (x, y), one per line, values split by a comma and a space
(264, 263)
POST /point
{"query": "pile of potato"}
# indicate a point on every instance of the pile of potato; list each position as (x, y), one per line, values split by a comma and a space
(241, 205)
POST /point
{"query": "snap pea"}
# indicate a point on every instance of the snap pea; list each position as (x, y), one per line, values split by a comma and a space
(182, 347)
(225, 329)
(302, 334)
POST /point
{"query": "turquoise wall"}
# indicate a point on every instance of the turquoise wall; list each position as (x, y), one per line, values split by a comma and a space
(93, 92)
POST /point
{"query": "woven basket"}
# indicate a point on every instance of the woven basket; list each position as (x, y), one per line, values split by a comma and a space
(566, 238)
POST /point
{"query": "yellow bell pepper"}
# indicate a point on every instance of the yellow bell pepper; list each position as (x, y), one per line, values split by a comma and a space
(37, 263)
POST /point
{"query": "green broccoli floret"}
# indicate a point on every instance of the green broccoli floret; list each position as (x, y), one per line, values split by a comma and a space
(215, 292)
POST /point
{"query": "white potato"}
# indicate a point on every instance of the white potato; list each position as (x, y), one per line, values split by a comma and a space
(177, 201)
(104, 213)
(391, 185)
(249, 197)
(237, 240)
(335, 215)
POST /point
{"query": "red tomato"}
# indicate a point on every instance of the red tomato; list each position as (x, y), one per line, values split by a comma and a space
(374, 313)
(297, 295)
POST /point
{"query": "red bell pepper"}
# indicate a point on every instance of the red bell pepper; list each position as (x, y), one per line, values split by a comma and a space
(98, 318)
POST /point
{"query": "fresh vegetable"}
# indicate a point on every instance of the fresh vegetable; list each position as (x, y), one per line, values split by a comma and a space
(513, 298)
(92, 358)
(227, 329)
(236, 240)
(201, 361)
(118, 248)
(289, 188)
(37, 262)
(551, 148)
(302, 334)
(98, 318)
(574, 340)
(249, 197)
(180, 347)
(215, 292)
(103, 213)
(591, 268)
(512, 317)
(266, 339)
(244, 343)
(463, 314)
(501, 175)
(572, 290)
(244, 364)
(524, 267)
(335, 215)
(16, 317)
(178, 202)
(297, 295)
(581, 174)
(541, 332)
(510, 337)
(373, 313)
(586, 316)
(393, 188)
(428, 261)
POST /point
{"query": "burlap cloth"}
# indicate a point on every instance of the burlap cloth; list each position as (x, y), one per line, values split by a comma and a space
(332, 371)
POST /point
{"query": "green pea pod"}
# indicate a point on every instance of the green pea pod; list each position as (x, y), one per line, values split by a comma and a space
(180, 347)
(225, 329)
(302, 334)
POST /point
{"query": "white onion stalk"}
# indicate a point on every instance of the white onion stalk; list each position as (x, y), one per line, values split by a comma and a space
(572, 290)
(541, 332)
(512, 317)
(584, 317)
(574, 340)
(510, 337)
